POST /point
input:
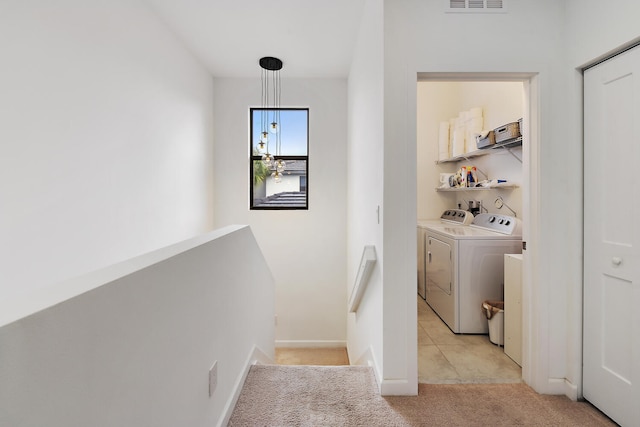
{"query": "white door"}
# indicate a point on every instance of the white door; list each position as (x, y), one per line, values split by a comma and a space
(611, 372)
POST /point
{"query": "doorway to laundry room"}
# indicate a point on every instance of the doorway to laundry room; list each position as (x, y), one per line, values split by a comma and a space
(472, 178)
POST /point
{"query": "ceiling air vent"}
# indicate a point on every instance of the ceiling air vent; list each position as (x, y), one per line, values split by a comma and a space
(476, 6)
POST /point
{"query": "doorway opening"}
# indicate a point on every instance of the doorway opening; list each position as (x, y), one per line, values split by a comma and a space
(501, 98)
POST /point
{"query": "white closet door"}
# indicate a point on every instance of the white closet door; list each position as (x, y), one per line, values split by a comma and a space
(611, 237)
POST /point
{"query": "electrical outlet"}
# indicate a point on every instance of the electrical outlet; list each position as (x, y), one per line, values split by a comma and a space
(213, 378)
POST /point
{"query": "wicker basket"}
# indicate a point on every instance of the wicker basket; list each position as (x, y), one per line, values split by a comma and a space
(487, 141)
(506, 132)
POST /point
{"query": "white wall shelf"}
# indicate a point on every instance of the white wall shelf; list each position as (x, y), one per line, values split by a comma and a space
(516, 142)
(497, 187)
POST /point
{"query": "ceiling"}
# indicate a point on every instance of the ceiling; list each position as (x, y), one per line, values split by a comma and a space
(312, 38)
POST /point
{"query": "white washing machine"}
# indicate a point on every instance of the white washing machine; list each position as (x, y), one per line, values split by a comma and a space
(464, 266)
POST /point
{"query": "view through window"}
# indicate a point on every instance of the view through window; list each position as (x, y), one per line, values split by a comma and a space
(279, 181)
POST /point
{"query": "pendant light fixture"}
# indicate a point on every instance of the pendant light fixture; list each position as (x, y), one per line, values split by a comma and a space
(270, 125)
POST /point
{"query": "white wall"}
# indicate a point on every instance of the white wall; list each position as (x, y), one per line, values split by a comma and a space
(420, 37)
(134, 346)
(400, 266)
(304, 249)
(106, 139)
(502, 103)
(436, 102)
(596, 28)
(365, 178)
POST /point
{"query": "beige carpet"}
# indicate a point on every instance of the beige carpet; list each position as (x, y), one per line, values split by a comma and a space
(347, 396)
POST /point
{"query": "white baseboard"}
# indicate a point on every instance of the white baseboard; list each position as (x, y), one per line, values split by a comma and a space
(309, 343)
(562, 386)
(368, 359)
(256, 357)
(571, 390)
(555, 386)
(398, 388)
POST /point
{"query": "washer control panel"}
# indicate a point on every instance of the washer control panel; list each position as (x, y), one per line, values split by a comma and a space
(457, 216)
(503, 224)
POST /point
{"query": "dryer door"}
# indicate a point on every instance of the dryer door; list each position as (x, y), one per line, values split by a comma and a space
(438, 265)
(441, 293)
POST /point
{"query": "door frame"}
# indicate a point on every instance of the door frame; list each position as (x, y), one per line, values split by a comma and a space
(535, 335)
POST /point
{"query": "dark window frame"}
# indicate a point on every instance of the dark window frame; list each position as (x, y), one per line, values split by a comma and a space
(252, 158)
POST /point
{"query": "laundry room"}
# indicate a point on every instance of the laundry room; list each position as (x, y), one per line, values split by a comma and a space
(469, 175)
(499, 103)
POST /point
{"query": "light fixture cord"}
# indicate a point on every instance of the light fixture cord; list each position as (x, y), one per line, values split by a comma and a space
(277, 104)
(265, 102)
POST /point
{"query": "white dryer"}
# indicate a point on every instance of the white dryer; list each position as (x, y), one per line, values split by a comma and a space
(464, 266)
(450, 220)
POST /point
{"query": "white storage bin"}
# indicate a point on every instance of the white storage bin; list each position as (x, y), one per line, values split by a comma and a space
(494, 310)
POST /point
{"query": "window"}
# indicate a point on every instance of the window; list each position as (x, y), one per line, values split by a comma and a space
(269, 189)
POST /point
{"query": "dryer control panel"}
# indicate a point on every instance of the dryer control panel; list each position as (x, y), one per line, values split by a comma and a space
(457, 216)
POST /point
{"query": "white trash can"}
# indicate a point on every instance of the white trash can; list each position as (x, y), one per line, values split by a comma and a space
(494, 310)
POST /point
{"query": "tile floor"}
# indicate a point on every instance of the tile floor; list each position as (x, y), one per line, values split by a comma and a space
(443, 357)
(447, 358)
